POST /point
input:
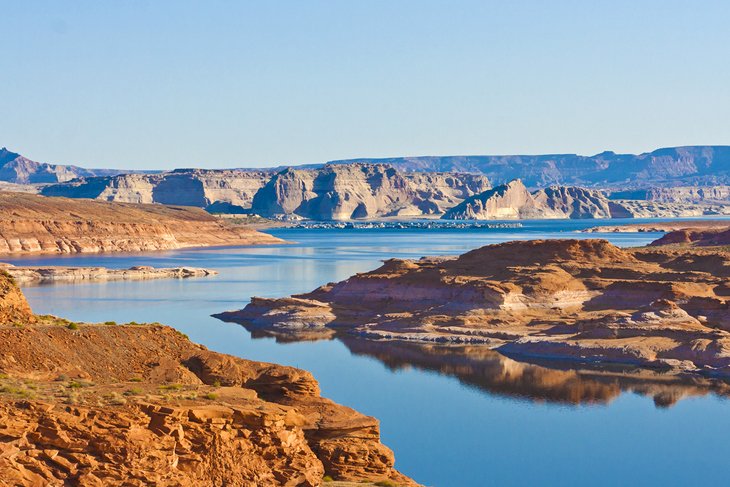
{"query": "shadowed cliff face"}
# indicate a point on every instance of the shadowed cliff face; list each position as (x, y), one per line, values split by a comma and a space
(362, 191)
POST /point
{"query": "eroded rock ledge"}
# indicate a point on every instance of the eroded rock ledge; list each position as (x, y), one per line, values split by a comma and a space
(98, 405)
(578, 300)
(31, 224)
(38, 274)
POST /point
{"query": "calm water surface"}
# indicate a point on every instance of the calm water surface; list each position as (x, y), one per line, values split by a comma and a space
(445, 431)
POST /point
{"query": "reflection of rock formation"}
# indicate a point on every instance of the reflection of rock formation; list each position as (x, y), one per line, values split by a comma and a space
(580, 300)
(493, 372)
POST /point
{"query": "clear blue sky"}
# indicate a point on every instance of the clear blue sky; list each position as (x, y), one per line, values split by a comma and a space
(156, 84)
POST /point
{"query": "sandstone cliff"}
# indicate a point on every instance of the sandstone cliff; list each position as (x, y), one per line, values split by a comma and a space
(361, 191)
(137, 405)
(514, 201)
(577, 300)
(32, 224)
(13, 306)
(219, 190)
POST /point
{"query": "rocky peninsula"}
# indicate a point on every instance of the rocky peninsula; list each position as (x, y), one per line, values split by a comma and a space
(36, 224)
(135, 405)
(582, 301)
(39, 274)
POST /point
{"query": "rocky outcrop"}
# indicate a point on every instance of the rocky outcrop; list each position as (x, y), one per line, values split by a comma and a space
(661, 226)
(137, 405)
(14, 309)
(702, 237)
(684, 166)
(225, 191)
(35, 274)
(514, 201)
(15, 168)
(36, 224)
(577, 300)
(361, 191)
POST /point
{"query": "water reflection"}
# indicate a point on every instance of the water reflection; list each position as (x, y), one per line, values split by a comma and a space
(539, 381)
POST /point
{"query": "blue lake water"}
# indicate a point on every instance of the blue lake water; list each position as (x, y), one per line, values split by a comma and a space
(446, 429)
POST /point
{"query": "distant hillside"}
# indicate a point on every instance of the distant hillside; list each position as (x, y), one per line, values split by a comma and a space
(17, 169)
(678, 166)
(36, 224)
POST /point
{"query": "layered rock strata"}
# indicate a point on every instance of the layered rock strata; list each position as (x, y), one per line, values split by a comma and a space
(362, 191)
(227, 191)
(98, 405)
(513, 201)
(578, 300)
(36, 224)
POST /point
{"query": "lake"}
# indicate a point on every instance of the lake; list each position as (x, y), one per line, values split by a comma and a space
(451, 420)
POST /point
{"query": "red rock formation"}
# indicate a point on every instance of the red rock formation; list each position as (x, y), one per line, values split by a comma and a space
(579, 300)
(98, 405)
(36, 224)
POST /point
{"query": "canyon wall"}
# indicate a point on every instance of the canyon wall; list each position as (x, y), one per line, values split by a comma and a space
(514, 201)
(224, 190)
(137, 405)
(362, 191)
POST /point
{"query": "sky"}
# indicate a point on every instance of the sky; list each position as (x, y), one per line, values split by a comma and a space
(165, 84)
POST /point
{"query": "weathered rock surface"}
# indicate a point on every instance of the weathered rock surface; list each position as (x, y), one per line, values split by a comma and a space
(514, 201)
(97, 405)
(227, 190)
(36, 224)
(37, 274)
(702, 237)
(577, 300)
(13, 306)
(362, 191)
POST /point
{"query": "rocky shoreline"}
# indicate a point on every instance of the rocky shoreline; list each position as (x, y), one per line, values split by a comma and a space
(135, 405)
(60, 274)
(32, 224)
(582, 301)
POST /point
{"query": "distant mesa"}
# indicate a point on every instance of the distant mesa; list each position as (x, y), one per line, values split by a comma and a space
(17, 169)
(671, 182)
